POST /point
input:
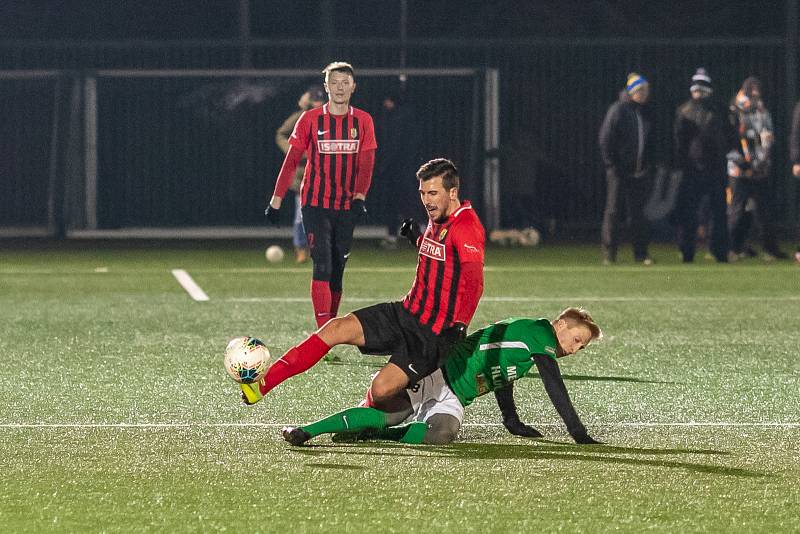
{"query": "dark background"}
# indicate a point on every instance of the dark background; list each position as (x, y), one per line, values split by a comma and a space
(154, 19)
(560, 63)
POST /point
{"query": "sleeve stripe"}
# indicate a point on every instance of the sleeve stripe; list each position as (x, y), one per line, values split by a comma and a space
(504, 345)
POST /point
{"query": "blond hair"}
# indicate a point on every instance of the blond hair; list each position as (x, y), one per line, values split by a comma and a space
(581, 316)
(338, 66)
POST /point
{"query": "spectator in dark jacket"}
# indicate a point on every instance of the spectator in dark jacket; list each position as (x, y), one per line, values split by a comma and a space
(626, 145)
(703, 136)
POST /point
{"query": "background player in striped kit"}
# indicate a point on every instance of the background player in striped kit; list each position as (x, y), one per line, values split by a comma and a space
(490, 359)
(418, 332)
(339, 140)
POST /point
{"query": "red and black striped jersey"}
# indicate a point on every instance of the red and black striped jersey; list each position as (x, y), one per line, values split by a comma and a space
(333, 144)
(438, 297)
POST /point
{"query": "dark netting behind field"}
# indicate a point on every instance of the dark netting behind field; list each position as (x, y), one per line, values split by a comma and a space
(553, 95)
(176, 151)
(26, 136)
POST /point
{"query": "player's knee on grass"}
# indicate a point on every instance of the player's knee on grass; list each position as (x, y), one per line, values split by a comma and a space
(442, 429)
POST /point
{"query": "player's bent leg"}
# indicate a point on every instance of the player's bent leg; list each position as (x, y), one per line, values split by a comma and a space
(342, 240)
(344, 330)
(296, 360)
(319, 233)
(302, 357)
(387, 385)
(412, 433)
(442, 429)
(352, 420)
(337, 275)
(439, 429)
(397, 408)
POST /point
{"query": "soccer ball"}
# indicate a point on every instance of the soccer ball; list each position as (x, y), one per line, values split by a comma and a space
(274, 254)
(246, 359)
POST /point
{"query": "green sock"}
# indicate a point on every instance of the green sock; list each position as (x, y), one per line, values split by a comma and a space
(410, 433)
(350, 420)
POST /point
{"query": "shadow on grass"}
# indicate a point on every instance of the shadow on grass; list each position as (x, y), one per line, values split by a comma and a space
(604, 454)
(560, 446)
(591, 378)
(338, 360)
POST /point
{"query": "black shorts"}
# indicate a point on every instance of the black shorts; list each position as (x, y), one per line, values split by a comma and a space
(390, 329)
(330, 236)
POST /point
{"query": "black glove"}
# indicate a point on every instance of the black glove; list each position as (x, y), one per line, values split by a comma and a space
(358, 210)
(518, 428)
(410, 231)
(272, 214)
(582, 438)
(455, 333)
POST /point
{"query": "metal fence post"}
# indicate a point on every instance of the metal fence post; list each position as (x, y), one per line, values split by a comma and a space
(491, 165)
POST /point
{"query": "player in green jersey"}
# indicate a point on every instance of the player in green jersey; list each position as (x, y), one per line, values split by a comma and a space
(490, 359)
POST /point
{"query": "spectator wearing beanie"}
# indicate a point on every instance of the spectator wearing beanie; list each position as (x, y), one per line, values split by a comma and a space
(703, 136)
(626, 146)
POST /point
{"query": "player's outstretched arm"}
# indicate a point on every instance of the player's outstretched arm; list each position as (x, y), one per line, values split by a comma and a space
(511, 420)
(557, 391)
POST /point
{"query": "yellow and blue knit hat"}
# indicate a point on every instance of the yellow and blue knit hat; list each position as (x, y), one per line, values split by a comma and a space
(634, 82)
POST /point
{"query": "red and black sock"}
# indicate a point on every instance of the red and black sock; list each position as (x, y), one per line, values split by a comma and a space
(298, 359)
(336, 298)
(321, 299)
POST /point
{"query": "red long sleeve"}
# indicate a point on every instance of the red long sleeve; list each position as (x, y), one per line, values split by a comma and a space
(470, 289)
(366, 163)
(286, 175)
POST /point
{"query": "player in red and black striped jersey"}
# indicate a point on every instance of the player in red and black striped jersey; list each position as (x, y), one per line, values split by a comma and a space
(449, 278)
(419, 331)
(339, 143)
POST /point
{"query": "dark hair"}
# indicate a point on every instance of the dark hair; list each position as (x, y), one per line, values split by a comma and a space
(440, 167)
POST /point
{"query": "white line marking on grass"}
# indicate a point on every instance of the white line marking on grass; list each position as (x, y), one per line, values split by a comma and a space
(189, 285)
(762, 298)
(277, 425)
(694, 270)
(411, 267)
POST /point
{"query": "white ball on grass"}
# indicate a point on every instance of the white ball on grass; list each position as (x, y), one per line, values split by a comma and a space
(274, 254)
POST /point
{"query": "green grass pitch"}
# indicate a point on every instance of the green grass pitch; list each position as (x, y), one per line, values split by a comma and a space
(116, 414)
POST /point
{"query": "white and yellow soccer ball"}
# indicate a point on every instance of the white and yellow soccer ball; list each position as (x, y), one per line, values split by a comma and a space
(274, 254)
(246, 359)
